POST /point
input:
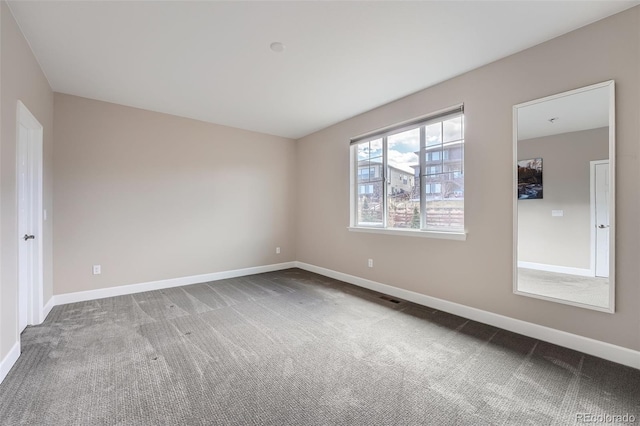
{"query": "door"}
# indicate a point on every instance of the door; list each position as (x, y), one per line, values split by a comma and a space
(29, 180)
(601, 214)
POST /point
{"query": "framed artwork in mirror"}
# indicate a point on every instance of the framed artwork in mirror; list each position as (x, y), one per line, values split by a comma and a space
(530, 179)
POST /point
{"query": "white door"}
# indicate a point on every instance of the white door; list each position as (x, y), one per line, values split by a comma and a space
(30, 276)
(601, 184)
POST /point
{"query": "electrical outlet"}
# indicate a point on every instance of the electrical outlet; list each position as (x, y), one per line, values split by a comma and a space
(277, 250)
(370, 263)
(97, 269)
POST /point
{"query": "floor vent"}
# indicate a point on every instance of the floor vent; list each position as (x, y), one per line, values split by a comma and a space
(389, 299)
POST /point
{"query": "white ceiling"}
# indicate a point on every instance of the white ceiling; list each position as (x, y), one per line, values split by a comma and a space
(584, 110)
(211, 60)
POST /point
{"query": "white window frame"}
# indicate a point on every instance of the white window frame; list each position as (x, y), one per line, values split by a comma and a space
(419, 122)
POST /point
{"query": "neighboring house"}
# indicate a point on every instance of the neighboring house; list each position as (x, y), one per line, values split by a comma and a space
(369, 175)
(444, 171)
(400, 180)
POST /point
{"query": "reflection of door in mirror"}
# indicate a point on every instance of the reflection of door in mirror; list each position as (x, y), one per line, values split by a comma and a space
(600, 206)
(563, 145)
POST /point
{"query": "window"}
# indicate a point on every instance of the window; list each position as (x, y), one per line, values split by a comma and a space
(430, 150)
(366, 189)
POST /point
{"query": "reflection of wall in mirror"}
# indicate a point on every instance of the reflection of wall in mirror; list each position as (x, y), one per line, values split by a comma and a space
(560, 240)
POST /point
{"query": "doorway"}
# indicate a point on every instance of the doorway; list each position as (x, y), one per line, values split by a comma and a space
(29, 133)
(600, 224)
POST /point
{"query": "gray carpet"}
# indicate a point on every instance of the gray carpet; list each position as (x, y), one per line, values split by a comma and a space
(295, 348)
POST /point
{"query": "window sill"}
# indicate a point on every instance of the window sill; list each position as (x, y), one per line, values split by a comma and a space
(459, 236)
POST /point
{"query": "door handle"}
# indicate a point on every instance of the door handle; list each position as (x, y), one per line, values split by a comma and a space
(29, 237)
(603, 226)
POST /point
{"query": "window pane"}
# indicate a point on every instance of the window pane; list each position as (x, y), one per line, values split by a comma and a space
(434, 134)
(433, 170)
(375, 169)
(364, 168)
(403, 149)
(363, 151)
(454, 151)
(370, 204)
(441, 188)
(369, 150)
(444, 202)
(403, 212)
(403, 199)
(369, 166)
(433, 160)
(375, 148)
(452, 129)
(453, 166)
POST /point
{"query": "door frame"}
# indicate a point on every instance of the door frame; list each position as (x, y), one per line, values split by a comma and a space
(34, 291)
(592, 206)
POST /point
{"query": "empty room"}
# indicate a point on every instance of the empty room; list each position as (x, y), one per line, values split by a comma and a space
(319, 212)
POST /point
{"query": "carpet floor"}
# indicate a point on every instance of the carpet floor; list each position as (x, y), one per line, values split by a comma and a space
(296, 348)
(588, 290)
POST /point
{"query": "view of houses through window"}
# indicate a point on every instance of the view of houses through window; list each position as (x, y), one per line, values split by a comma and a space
(413, 178)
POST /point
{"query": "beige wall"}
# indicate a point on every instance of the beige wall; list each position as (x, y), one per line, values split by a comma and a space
(151, 196)
(20, 79)
(478, 272)
(566, 240)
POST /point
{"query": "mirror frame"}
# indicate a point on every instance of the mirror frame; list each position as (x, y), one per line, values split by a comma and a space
(610, 84)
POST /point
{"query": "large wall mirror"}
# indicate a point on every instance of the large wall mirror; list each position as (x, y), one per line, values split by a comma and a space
(564, 173)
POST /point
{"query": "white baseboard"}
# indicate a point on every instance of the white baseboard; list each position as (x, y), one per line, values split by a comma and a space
(589, 346)
(555, 268)
(81, 296)
(9, 360)
(47, 309)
